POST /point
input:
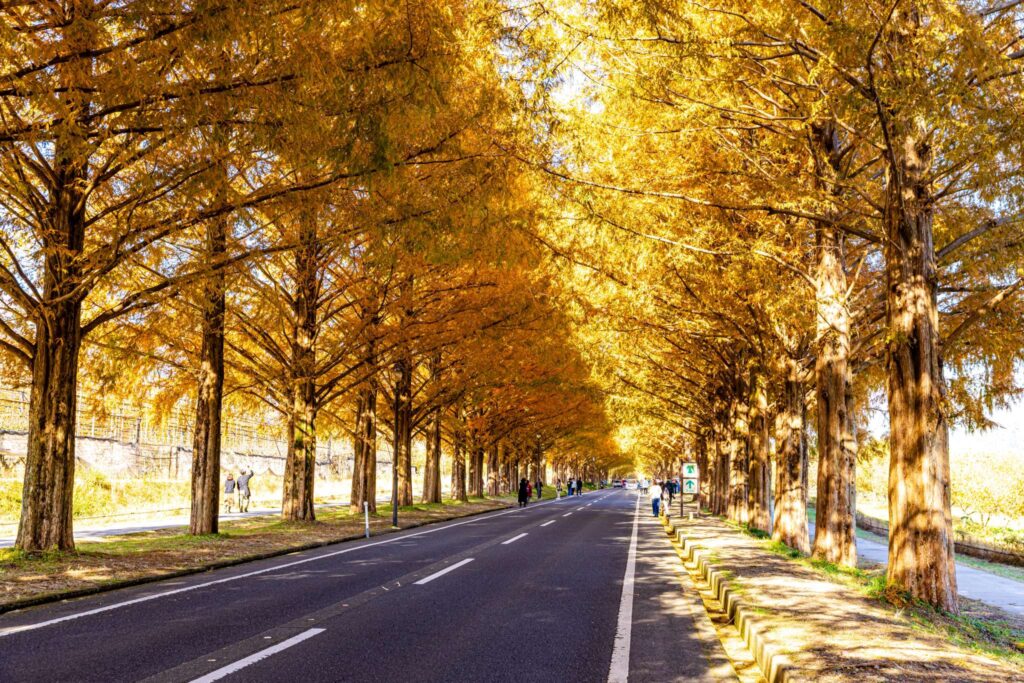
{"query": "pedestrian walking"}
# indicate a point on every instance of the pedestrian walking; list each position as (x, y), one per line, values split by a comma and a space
(671, 491)
(579, 487)
(540, 489)
(558, 488)
(656, 498)
(644, 486)
(243, 490)
(529, 489)
(229, 493)
(572, 486)
(524, 495)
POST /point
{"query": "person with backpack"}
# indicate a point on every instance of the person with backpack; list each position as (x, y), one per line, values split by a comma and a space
(229, 493)
(243, 490)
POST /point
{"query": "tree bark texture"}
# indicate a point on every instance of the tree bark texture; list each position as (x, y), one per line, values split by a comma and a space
(300, 466)
(759, 476)
(206, 444)
(739, 457)
(835, 538)
(402, 446)
(920, 522)
(790, 526)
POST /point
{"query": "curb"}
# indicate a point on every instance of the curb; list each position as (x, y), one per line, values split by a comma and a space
(776, 666)
(37, 600)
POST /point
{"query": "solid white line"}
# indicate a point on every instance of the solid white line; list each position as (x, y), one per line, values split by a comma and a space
(513, 539)
(546, 523)
(444, 571)
(619, 670)
(253, 658)
(146, 598)
(567, 514)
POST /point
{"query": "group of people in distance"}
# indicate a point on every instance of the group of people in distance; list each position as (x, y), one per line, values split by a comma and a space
(575, 487)
(527, 489)
(237, 491)
(662, 495)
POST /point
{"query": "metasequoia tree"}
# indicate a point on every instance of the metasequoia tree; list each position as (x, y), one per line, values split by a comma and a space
(102, 106)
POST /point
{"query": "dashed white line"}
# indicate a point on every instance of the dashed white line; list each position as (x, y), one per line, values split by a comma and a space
(513, 539)
(255, 657)
(428, 579)
(206, 584)
(546, 523)
(567, 514)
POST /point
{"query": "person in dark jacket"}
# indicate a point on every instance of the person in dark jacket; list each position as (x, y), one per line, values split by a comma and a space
(524, 495)
(572, 486)
(579, 487)
(243, 490)
(539, 489)
(229, 493)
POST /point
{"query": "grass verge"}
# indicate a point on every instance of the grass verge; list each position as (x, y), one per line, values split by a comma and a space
(979, 627)
(137, 558)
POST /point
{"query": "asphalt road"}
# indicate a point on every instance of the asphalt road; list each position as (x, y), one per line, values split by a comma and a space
(581, 589)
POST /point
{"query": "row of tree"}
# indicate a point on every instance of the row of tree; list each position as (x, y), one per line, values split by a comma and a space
(792, 209)
(304, 208)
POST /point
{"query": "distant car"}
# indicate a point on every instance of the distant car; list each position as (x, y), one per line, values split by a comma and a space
(631, 484)
(618, 483)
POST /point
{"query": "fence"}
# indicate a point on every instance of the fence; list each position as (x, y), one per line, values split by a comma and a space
(123, 443)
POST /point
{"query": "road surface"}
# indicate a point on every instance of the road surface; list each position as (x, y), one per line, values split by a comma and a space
(582, 589)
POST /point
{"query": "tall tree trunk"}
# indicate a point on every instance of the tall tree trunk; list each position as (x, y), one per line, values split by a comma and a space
(48, 488)
(49, 480)
(739, 456)
(835, 539)
(920, 522)
(759, 495)
(300, 467)
(432, 466)
(493, 476)
(790, 525)
(459, 458)
(703, 472)
(403, 430)
(358, 466)
(205, 511)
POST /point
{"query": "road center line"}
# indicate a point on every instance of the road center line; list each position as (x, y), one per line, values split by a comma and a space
(546, 523)
(428, 579)
(567, 514)
(513, 539)
(206, 584)
(257, 656)
(619, 670)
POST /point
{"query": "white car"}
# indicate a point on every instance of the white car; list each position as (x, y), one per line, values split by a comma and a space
(631, 485)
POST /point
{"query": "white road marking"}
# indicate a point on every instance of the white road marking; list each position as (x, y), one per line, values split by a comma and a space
(546, 523)
(146, 598)
(567, 514)
(255, 657)
(428, 579)
(513, 539)
(619, 670)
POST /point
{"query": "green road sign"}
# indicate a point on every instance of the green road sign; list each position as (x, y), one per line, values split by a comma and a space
(690, 470)
(690, 486)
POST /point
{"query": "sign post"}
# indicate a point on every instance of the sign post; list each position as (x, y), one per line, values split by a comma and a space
(691, 484)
